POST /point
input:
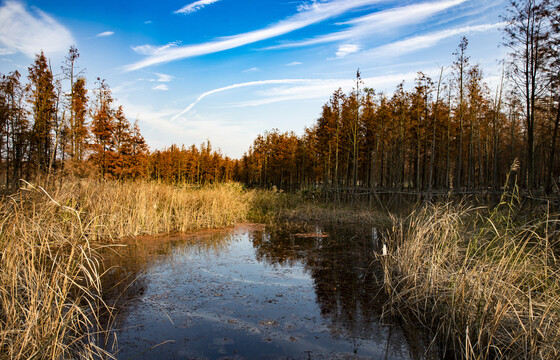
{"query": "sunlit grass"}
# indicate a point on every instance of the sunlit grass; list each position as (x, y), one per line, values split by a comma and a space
(485, 281)
(50, 287)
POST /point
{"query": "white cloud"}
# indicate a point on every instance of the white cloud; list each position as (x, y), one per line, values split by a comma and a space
(237, 86)
(253, 69)
(195, 6)
(429, 40)
(301, 89)
(381, 21)
(323, 89)
(307, 15)
(105, 34)
(156, 120)
(163, 77)
(162, 87)
(148, 22)
(144, 49)
(347, 49)
(152, 50)
(294, 63)
(30, 32)
(5, 51)
(160, 133)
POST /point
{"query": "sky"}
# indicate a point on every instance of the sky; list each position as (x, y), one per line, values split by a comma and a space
(228, 70)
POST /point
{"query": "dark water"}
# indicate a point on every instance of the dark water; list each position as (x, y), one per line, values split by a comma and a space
(284, 292)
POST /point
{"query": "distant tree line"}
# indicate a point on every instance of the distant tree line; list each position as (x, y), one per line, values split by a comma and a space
(51, 124)
(452, 132)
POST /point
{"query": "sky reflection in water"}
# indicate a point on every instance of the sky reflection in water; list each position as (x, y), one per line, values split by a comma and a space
(251, 292)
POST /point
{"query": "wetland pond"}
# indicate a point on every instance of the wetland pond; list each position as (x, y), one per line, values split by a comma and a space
(253, 292)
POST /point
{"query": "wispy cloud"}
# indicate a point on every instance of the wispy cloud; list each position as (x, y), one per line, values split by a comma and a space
(253, 69)
(105, 34)
(347, 49)
(307, 15)
(163, 77)
(323, 89)
(162, 87)
(297, 89)
(294, 63)
(195, 6)
(381, 21)
(428, 40)
(150, 50)
(237, 86)
(30, 32)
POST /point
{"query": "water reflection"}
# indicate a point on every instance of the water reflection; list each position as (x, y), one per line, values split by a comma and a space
(288, 291)
(339, 261)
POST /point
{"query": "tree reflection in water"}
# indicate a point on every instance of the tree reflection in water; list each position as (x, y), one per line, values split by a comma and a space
(250, 291)
(346, 280)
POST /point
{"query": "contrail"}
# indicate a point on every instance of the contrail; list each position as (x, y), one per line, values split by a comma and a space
(246, 84)
(336, 83)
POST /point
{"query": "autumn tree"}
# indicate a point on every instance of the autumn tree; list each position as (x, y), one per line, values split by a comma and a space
(138, 153)
(102, 127)
(76, 102)
(78, 130)
(42, 98)
(14, 127)
(460, 66)
(553, 71)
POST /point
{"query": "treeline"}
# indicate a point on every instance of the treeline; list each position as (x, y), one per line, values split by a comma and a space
(447, 132)
(52, 124)
(451, 132)
(191, 164)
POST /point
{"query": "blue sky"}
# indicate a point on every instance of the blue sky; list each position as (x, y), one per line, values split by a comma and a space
(227, 70)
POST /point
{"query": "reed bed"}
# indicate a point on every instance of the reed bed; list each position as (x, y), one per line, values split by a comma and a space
(120, 209)
(50, 288)
(49, 283)
(271, 206)
(485, 281)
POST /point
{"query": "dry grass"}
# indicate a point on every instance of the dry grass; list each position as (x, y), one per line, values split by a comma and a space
(117, 210)
(50, 292)
(270, 206)
(49, 284)
(486, 282)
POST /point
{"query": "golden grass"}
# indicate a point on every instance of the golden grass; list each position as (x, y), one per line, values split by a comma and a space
(120, 209)
(271, 206)
(486, 282)
(50, 292)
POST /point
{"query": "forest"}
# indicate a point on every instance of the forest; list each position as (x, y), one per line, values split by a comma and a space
(451, 132)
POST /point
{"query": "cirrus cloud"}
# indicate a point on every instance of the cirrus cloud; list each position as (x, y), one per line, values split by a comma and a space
(105, 34)
(195, 6)
(377, 22)
(306, 15)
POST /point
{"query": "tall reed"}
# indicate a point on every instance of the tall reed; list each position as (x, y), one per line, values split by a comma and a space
(486, 282)
(49, 284)
(50, 288)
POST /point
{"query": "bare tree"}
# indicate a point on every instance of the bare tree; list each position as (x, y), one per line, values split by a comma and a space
(525, 34)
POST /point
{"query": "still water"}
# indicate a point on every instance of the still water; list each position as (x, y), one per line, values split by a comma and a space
(253, 292)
